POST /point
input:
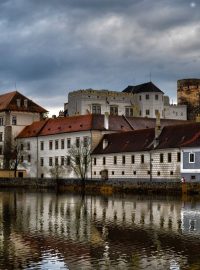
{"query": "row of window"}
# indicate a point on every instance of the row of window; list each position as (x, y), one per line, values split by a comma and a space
(14, 120)
(61, 161)
(59, 144)
(135, 172)
(142, 159)
(96, 109)
(147, 97)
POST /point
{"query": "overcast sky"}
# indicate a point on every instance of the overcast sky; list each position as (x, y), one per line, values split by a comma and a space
(51, 47)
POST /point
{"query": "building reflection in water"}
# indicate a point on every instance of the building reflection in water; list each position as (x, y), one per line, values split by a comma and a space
(95, 232)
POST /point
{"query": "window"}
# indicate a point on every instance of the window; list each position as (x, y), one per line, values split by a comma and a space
(171, 172)
(147, 96)
(62, 144)
(104, 161)
(156, 112)
(140, 97)
(56, 161)
(68, 161)
(147, 112)
(1, 121)
(115, 160)
(95, 173)
(113, 110)
(50, 161)
(50, 145)
(26, 103)
(77, 142)
(1, 136)
(142, 158)
(29, 158)
(193, 177)
(28, 146)
(158, 173)
(21, 147)
(68, 143)
(77, 160)
(22, 159)
(18, 102)
(41, 145)
(94, 161)
(113, 172)
(161, 158)
(85, 141)
(96, 109)
(132, 159)
(1, 150)
(156, 97)
(169, 157)
(123, 159)
(56, 144)
(134, 172)
(14, 120)
(148, 172)
(191, 158)
(178, 157)
(41, 161)
(122, 172)
(62, 163)
(129, 111)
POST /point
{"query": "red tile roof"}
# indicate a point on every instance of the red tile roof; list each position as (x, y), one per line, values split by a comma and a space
(88, 122)
(131, 141)
(8, 101)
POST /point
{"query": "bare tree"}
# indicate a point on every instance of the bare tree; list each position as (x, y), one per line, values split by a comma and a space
(13, 155)
(57, 171)
(79, 159)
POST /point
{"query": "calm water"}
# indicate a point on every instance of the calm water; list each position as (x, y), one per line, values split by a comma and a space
(49, 231)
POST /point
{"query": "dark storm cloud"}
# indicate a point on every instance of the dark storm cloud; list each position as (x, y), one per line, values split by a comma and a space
(49, 47)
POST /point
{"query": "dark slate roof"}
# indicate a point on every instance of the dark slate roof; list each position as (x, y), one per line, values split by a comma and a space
(174, 136)
(186, 135)
(142, 88)
(131, 141)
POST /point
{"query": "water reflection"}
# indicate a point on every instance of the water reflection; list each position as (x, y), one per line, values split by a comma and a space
(49, 231)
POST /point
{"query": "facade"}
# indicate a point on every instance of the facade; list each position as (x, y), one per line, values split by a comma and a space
(91, 101)
(188, 93)
(47, 143)
(16, 112)
(145, 100)
(144, 154)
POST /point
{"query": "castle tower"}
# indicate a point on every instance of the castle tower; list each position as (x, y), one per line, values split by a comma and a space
(188, 93)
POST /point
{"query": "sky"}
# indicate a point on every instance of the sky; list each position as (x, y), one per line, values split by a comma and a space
(51, 47)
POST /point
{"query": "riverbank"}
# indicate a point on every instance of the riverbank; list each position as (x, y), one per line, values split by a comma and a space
(97, 186)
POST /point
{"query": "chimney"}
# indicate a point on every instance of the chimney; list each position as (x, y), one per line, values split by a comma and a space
(157, 129)
(106, 120)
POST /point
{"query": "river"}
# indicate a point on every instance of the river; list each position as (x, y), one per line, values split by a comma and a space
(45, 230)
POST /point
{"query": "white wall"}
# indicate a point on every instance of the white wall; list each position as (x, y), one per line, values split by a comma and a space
(175, 112)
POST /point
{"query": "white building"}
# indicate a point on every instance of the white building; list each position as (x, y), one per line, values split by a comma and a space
(16, 112)
(46, 143)
(142, 154)
(144, 100)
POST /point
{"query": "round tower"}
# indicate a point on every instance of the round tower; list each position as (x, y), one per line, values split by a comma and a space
(188, 93)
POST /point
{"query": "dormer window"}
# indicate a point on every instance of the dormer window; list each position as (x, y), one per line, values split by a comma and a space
(18, 102)
(105, 143)
(26, 103)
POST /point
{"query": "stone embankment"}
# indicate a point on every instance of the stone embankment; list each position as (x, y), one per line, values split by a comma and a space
(99, 186)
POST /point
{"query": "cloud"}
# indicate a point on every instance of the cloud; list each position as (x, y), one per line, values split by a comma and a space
(51, 47)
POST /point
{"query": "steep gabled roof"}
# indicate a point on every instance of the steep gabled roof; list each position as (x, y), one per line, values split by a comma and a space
(132, 141)
(142, 88)
(8, 101)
